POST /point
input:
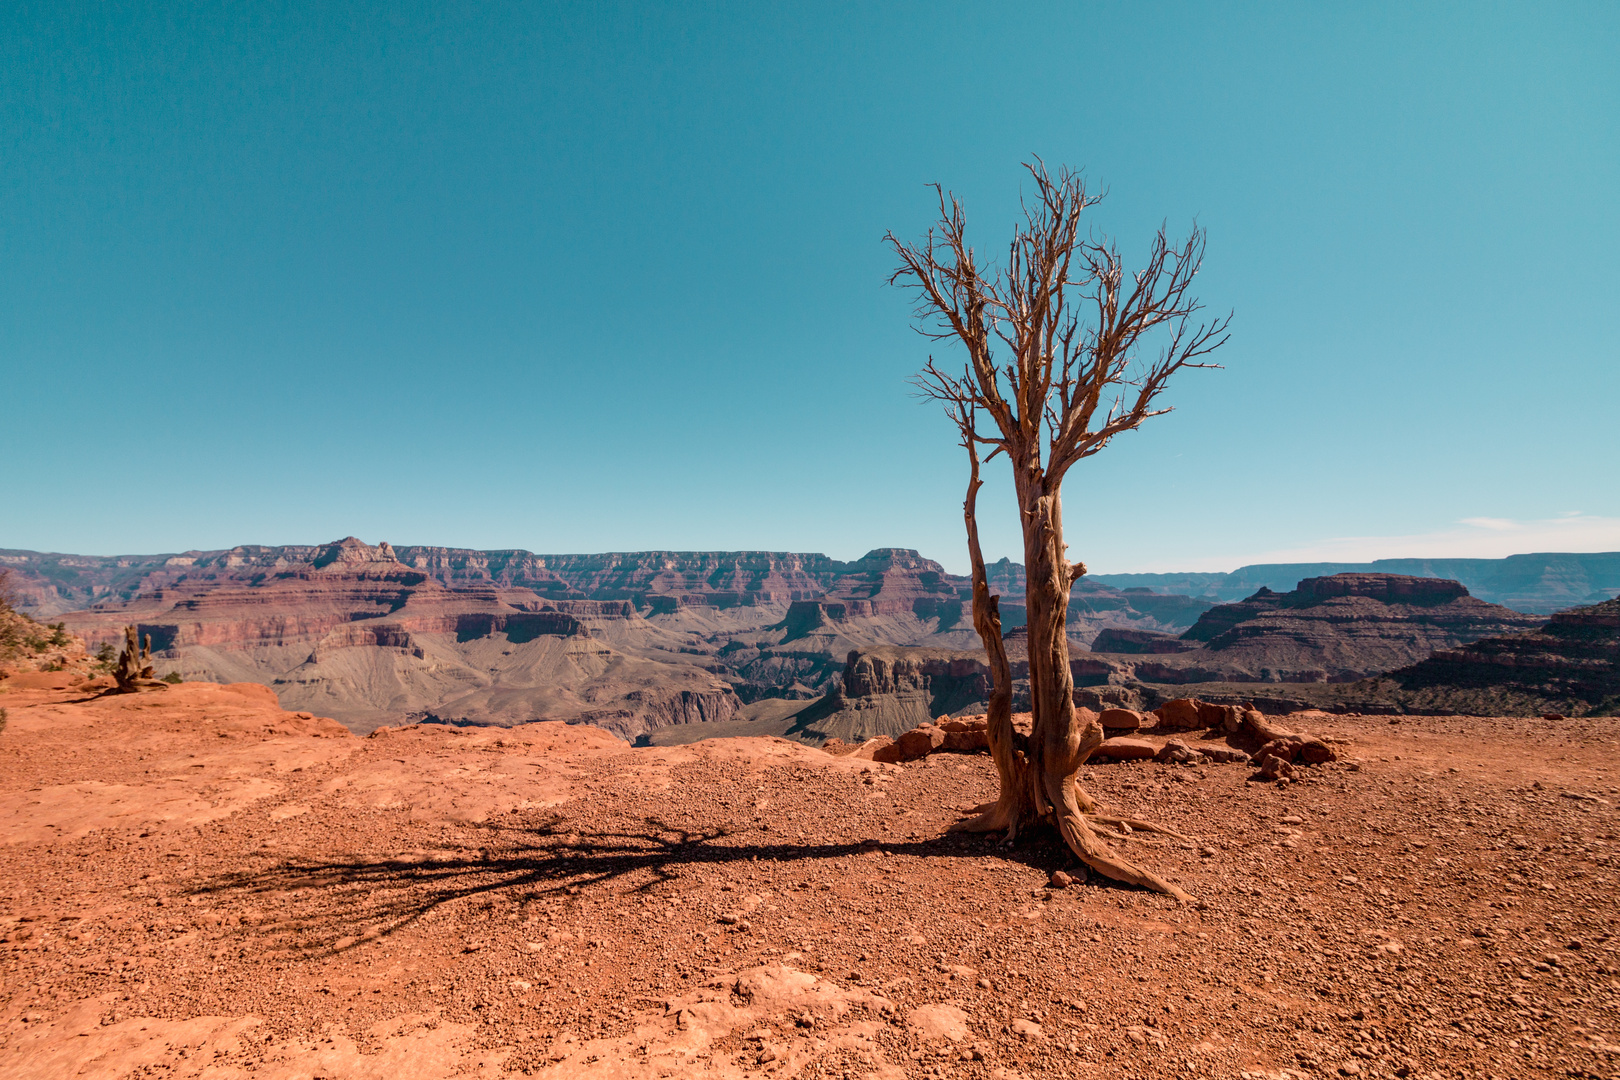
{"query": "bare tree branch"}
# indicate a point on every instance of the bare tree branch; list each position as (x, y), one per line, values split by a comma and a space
(1055, 342)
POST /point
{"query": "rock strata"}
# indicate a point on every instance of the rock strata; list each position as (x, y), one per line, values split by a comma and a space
(381, 633)
(1569, 666)
(1340, 628)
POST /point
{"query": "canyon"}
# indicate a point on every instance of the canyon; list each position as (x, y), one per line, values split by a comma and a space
(1540, 583)
(371, 634)
(1274, 649)
(1570, 666)
(669, 647)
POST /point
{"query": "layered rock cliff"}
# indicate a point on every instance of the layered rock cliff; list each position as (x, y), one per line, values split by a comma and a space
(1340, 628)
(373, 634)
(352, 632)
(1571, 666)
(1540, 583)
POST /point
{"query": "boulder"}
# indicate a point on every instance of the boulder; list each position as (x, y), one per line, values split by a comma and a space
(1298, 748)
(1210, 716)
(869, 749)
(913, 745)
(1120, 720)
(1286, 747)
(1178, 715)
(1120, 749)
(966, 734)
(1316, 752)
(1253, 723)
(1176, 752)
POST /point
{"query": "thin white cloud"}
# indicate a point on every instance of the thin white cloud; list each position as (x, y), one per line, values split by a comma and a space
(1472, 538)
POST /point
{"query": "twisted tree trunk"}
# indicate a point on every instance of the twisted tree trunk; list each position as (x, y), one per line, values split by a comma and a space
(1037, 775)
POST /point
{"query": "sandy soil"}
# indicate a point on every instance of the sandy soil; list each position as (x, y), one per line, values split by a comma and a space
(196, 884)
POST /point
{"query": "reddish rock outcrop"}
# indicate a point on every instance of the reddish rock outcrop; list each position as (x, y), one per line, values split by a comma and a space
(967, 734)
(1340, 628)
(1127, 749)
(912, 745)
(1179, 714)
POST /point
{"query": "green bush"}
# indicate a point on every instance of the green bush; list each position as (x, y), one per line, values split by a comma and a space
(172, 678)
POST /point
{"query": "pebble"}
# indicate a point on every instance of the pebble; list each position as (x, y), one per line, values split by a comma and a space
(1029, 1029)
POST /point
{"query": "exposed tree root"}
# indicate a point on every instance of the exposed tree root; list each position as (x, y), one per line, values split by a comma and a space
(1096, 853)
(1137, 825)
(1082, 830)
(1093, 850)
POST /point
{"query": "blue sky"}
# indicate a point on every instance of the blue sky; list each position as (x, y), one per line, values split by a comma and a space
(597, 277)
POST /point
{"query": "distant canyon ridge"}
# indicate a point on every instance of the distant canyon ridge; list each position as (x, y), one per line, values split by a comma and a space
(656, 645)
(373, 634)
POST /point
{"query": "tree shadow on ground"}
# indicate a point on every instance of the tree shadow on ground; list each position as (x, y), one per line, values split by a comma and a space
(345, 902)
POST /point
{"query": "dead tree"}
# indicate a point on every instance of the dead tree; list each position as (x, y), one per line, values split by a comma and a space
(134, 670)
(1054, 341)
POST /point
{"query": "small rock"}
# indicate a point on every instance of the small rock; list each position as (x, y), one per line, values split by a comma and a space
(1273, 767)
(1029, 1029)
(1175, 752)
(1059, 880)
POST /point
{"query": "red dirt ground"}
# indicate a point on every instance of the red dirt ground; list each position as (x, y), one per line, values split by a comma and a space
(197, 884)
